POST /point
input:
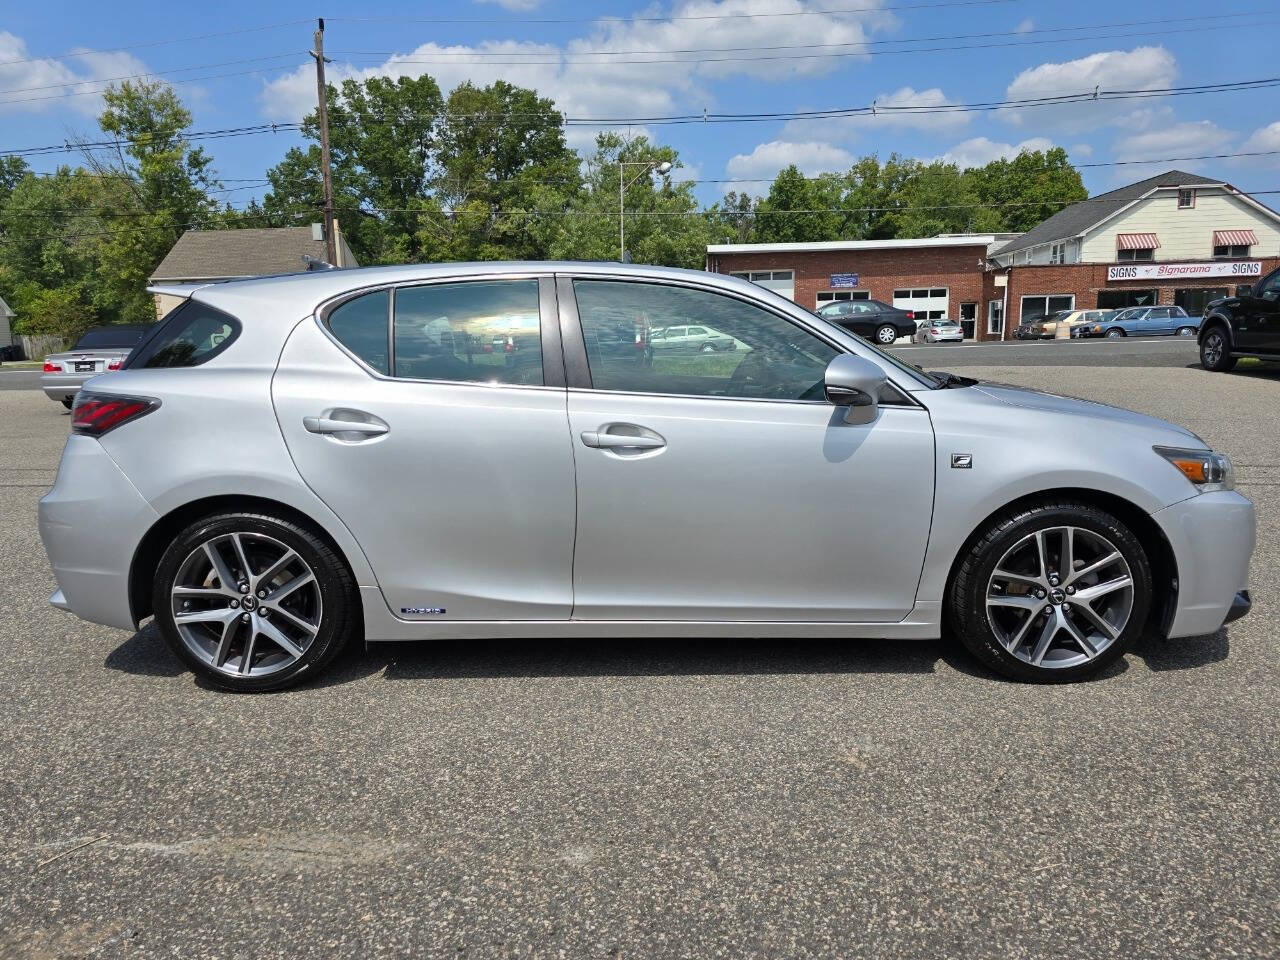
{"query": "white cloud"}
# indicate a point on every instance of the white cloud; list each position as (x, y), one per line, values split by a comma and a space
(885, 118)
(1264, 138)
(1181, 139)
(1143, 68)
(595, 75)
(38, 84)
(979, 151)
(519, 5)
(768, 158)
(1026, 26)
(1080, 150)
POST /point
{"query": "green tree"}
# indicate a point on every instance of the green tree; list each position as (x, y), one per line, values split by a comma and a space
(502, 154)
(166, 191)
(798, 208)
(1028, 189)
(663, 222)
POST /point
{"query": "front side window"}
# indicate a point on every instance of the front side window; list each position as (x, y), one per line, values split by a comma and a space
(360, 325)
(191, 334)
(483, 331)
(1269, 289)
(745, 352)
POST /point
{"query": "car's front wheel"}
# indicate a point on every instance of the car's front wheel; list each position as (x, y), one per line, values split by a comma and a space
(1215, 351)
(886, 334)
(1115, 333)
(1186, 331)
(252, 602)
(1051, 592)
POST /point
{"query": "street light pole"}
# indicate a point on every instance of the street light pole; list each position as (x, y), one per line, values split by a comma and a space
(662, 167)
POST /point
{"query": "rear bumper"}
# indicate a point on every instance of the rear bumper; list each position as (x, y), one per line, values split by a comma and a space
(59, 386)
(1212, 536)
(91, 523)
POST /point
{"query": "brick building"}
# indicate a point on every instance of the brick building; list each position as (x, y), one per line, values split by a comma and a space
(933, 277)
(1175, 238)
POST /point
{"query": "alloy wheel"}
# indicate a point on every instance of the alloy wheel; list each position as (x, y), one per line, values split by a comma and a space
(1211, 351)
(1059, 597)
(246, 604)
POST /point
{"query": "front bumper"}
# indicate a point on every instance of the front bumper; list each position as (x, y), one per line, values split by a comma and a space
(91, 523)
(1212, 536)
(63, 386)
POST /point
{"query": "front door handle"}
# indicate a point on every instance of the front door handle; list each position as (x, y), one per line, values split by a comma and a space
(330, 425)
(600, 439)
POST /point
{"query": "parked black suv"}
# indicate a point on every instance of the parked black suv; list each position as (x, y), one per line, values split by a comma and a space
(1247, 325)
(871, 319)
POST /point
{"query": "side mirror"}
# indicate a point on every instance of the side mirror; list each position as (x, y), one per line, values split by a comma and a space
(854, 382)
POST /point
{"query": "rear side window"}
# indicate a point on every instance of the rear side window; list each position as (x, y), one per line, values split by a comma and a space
(361, 325)
(191, 334)
(471, 332)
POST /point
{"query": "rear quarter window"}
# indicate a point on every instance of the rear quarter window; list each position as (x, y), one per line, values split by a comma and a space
(193, 333)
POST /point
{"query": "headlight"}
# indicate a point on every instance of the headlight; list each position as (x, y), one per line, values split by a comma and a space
(1207, 471)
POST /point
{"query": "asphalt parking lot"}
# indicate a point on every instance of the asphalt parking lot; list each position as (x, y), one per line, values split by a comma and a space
(653, 798)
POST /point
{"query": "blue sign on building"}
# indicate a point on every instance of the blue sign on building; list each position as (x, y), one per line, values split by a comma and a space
(843, 280)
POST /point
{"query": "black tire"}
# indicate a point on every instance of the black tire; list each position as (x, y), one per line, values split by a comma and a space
(1215, 350)
(967, 607)
(886, 330)
(339, 622)
(68, 402)
(1115, 333)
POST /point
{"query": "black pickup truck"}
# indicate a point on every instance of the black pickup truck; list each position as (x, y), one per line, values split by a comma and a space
(1246, 325)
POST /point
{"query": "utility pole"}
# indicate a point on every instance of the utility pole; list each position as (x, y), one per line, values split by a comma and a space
(330, 241)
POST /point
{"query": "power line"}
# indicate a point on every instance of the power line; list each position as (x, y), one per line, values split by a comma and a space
(477, 58)
(655, 19)
(94, 93)
(830, 46)
(154, 43)
(149, 73)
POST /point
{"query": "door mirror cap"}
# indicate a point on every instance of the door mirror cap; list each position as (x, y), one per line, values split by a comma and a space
(854, 381)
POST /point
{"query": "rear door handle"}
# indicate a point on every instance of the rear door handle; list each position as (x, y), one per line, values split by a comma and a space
(329, 425)
(596, 438)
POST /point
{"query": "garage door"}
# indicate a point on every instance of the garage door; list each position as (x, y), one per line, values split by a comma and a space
(926, 303)
(781, 282)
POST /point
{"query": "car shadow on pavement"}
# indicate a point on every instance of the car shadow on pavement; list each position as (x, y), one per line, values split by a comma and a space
(1261, 370)
(1183, 653)
(145, 654)
(647, 657)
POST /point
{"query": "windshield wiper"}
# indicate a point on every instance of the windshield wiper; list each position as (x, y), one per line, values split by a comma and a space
(946, 380)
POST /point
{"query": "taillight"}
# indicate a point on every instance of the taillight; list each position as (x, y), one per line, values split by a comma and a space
(52, 367)
(113, 365)
(96, 413)
(911, 315)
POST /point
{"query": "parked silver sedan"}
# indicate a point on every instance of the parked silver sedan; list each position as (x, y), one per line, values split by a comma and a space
(939, 331)
(294, 462)
(98, 351)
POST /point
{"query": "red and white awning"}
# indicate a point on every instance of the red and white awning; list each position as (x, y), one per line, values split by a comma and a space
(1136, 241)
(1234, 238)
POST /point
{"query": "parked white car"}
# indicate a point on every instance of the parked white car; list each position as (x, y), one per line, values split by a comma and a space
(939, 331)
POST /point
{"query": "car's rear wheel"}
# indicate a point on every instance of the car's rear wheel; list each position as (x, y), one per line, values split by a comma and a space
(1051, 593)
(886, 334)
(1186, 331)
(68, 402)
(708, 347)
(252, 602)
(1115, 333)
(1215, 351)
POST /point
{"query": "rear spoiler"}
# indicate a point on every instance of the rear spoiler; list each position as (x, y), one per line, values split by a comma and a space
(180, 290)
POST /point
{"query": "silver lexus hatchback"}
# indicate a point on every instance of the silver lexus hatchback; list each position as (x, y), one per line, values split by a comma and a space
(497, 450)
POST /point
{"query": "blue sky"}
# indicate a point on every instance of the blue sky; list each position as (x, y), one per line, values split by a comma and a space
(887, 52)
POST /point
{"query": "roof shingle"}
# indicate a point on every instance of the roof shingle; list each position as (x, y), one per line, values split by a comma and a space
(226, 254)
